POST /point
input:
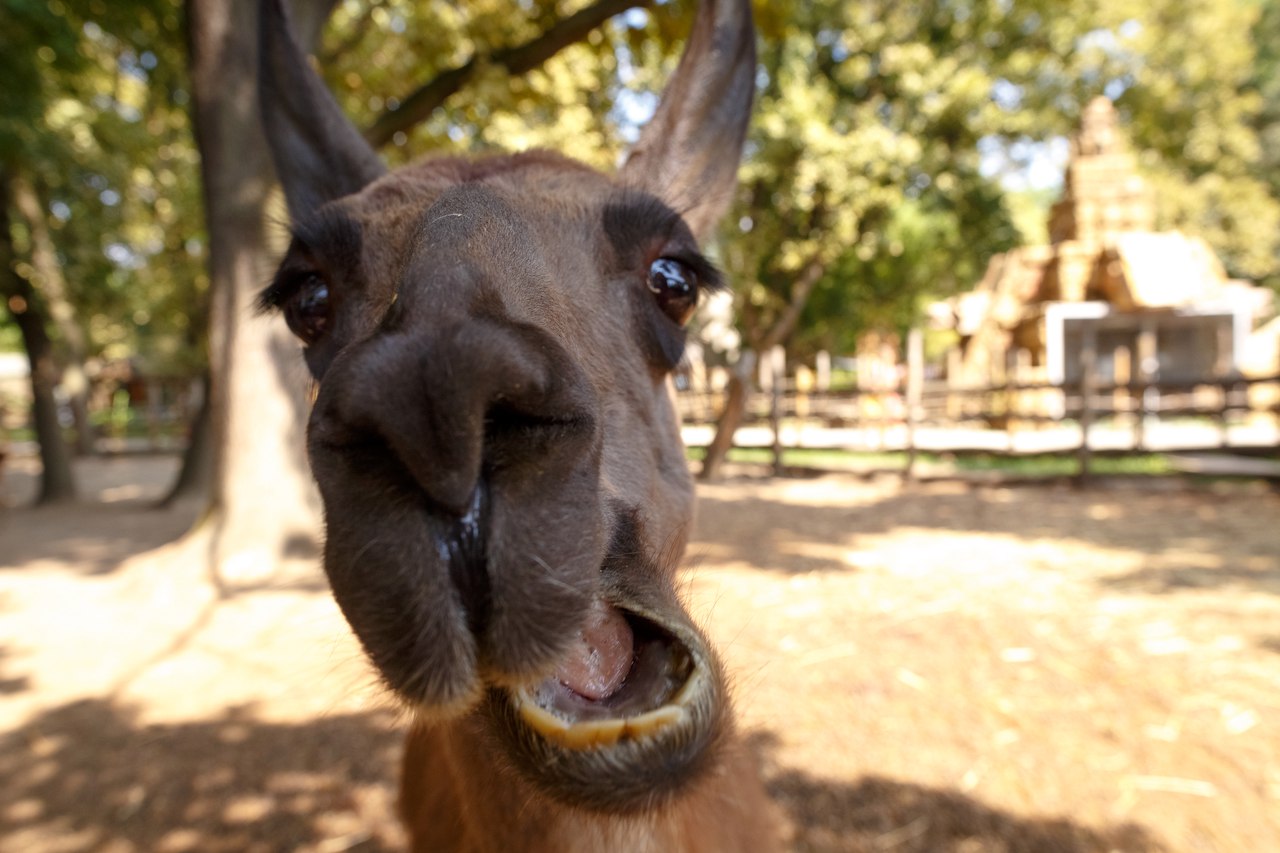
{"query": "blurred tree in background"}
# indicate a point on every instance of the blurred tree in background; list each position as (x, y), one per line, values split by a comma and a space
(868, 188)
(1192, 78)
(1265, 82)
(865, 193)
(97, 173)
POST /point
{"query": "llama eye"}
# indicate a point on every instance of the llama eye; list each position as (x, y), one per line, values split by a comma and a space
(307, 311)
(676, 287)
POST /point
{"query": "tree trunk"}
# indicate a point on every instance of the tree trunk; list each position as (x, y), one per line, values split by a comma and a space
(56, 480)
(195, 477)
(263, 505)
(735, 406)
(52, 286)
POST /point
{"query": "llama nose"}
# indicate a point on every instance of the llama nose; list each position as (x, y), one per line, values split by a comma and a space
(480, 396)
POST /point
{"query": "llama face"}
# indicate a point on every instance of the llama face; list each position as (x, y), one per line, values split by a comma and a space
(505, 491)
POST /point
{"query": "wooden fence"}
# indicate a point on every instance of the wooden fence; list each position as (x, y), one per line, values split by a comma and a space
(1017, 418)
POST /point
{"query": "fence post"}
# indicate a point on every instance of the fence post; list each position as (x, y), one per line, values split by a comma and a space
(822, 367)
(1088, 369)
(777, 368)
(1010, 397)
(1148, 363)
(1224, 437)
(914, 395)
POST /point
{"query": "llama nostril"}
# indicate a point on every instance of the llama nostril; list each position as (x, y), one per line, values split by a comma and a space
(486, 398)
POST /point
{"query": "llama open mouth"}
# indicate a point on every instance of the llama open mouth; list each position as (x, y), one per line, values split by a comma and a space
(627, 678)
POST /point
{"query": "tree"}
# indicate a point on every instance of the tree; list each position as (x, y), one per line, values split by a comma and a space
(261, 498)
(865, 190)
(1265, 82)
(1190, 78)
(24, 305)
(91, 127)
(22, 113)
(867, 131)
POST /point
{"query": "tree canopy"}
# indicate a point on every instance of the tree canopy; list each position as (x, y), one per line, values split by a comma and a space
(94, 119)
(867, 150)
(864, 156)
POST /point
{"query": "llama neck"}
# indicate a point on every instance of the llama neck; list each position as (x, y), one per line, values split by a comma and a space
(458, 793)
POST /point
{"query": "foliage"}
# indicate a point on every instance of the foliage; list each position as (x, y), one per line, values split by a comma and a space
(863, 161)
(1265, 82)
(865, 151)
(98, 126)
(1193, 75)
(864, 158)
(575, 102)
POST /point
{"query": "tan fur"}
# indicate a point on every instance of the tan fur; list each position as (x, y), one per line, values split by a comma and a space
(456, 795)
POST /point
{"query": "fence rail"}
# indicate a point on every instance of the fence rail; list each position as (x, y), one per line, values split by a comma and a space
(1216, 413)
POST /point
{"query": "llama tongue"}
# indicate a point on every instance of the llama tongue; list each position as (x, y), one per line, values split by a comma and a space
(600, 658)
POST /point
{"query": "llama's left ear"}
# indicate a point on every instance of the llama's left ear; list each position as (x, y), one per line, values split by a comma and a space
(688, 153)
(319, 155)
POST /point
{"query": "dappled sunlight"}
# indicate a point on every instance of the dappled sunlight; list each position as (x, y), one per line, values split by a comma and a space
(938, 667)
(979, 651)
(100, 479)
(91, 775)
(99, 540)
(116, 494)
(148, 709)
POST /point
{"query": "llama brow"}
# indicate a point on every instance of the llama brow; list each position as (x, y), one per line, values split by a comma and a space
(634, 218)
(329, 230)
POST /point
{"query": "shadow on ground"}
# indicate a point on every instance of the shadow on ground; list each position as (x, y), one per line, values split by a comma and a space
(879, 814)
(1161, 525)
(91, 776)
(95, 538)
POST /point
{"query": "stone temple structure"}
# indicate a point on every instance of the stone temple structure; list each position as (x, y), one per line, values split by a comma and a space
(1151, 305)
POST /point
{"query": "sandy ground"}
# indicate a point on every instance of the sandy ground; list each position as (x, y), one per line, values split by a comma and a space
(932, 668)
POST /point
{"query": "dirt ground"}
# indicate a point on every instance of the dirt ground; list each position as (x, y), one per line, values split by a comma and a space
(940, 667)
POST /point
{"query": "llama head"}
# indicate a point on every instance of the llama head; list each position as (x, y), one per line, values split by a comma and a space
(505, 491)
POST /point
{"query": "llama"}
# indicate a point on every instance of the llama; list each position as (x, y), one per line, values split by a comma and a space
(505, 490)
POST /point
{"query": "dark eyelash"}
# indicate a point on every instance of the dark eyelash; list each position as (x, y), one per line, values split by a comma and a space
(709, 275)
(282, 288)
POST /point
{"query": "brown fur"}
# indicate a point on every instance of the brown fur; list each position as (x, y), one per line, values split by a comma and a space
(486, 807)
(496, 446)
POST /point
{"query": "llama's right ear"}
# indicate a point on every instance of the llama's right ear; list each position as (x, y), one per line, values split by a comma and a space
(319, 155)
(688, 153)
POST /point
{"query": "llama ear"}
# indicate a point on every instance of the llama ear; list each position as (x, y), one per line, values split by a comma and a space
(688, 153)
(319, 155)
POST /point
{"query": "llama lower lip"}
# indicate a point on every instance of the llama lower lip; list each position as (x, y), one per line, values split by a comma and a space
(597, 733)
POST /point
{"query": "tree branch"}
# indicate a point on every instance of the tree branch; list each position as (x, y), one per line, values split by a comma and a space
(800, 290)
(520, 59)
(359, 30)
